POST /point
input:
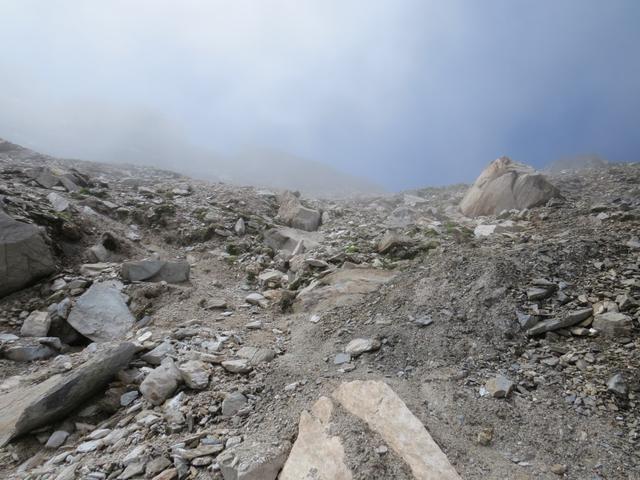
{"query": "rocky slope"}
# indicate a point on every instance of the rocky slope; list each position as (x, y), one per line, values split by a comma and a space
(190, 331)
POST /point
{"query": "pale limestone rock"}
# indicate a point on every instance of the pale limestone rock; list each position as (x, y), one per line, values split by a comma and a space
(385, 413)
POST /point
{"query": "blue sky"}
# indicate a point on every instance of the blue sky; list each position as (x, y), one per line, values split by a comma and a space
(405, 93)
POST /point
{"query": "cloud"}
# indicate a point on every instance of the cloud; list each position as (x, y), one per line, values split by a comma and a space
(406, 93)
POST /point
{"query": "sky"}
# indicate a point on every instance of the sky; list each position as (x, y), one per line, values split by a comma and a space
(403, 93)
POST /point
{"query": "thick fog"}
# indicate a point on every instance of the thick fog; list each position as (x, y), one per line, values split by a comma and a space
(400, 93)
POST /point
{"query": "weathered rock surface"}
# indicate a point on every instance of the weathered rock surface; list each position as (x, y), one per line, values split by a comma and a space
(341, 288)
(385, 413)
(101, 313)
(317, 453)
(30, 407)
(156, 271)
(24, 255)
(161, 382)
(254, 459)
(613, 324)
(36, 325)
(506, 185)
(295, 215)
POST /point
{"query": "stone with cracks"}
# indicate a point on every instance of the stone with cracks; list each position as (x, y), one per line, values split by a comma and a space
(295, 215)
(341, 288)
(156, 271)
(161, 382)
(24, 255)
(36, 325)
(101, 313)
(385, 413)
(507, 185)
(613, 324)
(254, 459)
(34, 406)
(195, 374)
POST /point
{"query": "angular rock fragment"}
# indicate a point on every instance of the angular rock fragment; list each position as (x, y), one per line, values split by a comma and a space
(195, 374)
(30, 407)
(499, 386)
(24, 255)
(156, 271)
(232, 403)
(341, 288)
(101, 313)
(36, 325)
(613, 324)
(155, 356)
(314, 446)
(567, 321)
(161, 382)
(359, 346)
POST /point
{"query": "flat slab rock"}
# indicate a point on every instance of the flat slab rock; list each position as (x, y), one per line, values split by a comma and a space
(319, 454)
(341, 288)
(101, 313)
(29, 407)
(156, 271)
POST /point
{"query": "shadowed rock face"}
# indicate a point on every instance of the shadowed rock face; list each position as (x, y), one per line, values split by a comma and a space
(101, 313)
(24, 255)
(506, 185)
(28, 408)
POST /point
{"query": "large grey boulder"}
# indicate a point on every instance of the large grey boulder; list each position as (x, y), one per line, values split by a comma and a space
(296, 215)
(506, 185)
(24, 255)
(29, 407)
(156, 271)
(101, 313)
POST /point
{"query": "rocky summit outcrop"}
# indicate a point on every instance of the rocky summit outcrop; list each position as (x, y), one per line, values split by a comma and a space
(507, 185)
(26, 408)
(24, 255)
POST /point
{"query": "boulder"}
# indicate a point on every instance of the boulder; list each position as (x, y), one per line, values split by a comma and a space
(386, 414)
(294, 214)
(29, 407)
(156, 271)
(101, 313)
(507, 185)
(24, 255)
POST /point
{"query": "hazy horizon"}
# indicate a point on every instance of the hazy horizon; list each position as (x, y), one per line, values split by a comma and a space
(402, 94)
